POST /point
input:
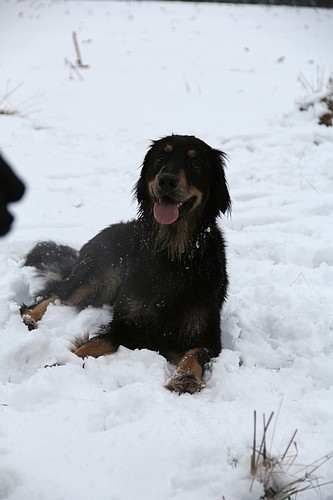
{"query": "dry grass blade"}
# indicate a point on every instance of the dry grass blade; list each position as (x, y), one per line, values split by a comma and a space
(263, 448)
(20, 109)
(319, 97)
(290, 443)
(281, 477)
(5, 106)
(254, 445)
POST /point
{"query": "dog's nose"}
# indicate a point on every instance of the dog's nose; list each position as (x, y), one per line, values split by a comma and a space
(168, 182)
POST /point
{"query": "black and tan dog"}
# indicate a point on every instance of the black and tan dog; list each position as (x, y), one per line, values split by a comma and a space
(164, 273)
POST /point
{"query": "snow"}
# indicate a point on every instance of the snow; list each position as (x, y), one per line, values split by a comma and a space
(228, 74)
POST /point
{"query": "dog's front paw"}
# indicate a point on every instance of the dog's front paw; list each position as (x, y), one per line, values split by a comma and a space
(27, 318)
(185, 382)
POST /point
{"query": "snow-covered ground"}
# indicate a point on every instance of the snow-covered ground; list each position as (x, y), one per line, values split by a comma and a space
(228, 74)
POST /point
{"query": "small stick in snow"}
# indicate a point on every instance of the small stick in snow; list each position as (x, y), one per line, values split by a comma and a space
(79, 62)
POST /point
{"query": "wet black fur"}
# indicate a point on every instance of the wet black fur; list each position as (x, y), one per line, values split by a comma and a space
(166, 301)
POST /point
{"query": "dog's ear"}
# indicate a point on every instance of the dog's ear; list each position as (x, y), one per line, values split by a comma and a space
(140, 188)
(219, 187)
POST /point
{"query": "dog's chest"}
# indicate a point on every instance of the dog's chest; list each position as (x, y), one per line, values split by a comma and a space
(155, 291)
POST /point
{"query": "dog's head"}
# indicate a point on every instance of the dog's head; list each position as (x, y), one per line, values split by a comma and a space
(182, 178)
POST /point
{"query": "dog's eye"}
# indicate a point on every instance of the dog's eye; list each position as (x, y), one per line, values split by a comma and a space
(195, 164)
(159, 160)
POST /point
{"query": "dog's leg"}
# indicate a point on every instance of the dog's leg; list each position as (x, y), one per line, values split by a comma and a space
(96, 347)
(31, 315)
(188, 376)
(69, 295)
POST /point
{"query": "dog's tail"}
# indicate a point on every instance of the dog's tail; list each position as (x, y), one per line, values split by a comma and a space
(54, 262)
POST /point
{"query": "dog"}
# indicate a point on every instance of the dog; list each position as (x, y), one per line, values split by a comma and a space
(164, 273)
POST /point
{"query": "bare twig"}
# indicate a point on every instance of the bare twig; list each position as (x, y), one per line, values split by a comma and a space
(79, 62)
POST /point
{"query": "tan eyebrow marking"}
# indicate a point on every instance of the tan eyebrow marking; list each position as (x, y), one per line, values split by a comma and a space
(191, 153)
(168, 148)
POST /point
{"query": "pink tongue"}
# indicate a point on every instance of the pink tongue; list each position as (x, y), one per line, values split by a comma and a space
(166, 212)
